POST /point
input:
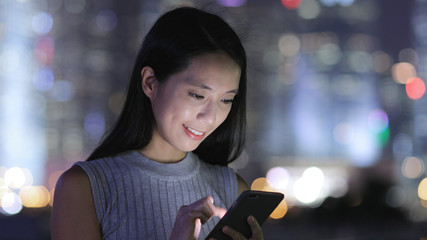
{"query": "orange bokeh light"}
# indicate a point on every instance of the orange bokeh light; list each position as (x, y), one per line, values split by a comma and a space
(280, 210)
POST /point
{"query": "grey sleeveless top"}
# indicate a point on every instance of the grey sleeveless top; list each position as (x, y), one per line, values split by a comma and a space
(138, 198)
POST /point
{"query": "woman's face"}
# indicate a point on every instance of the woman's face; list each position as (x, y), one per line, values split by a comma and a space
(192, 103)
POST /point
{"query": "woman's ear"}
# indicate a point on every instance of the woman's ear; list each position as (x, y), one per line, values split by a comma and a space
(149, 82)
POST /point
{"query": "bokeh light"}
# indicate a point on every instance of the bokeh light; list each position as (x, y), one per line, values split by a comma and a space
(62, 91)
(43, 79)
(10, 203)
(280, 210)
(422, 189)
(330, 3)
(413, 167)
(106, 20)
(378, 123)
(329, 54)
(34, 196)
(359, 61)
(381, 62)
(291, 4)
(278, 178)
(42, 23)
(14, 177)
(309, 9)
(415, 88)
(289, 45)
(232, 3)
(307, 188)
(261, 184)
(44, 49)
(402, 72)
(94, 124)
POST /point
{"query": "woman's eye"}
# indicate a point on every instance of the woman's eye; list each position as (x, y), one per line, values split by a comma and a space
(196, 96)
(227, 101)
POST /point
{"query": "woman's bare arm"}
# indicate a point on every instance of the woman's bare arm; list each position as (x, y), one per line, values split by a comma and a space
(73, 213)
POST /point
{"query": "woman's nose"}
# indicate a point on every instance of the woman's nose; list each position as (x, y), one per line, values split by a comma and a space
(208, 112)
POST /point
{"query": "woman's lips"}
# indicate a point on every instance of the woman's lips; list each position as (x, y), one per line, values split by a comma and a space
(193, 133)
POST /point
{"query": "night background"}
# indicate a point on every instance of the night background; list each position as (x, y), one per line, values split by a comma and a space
(337, 110)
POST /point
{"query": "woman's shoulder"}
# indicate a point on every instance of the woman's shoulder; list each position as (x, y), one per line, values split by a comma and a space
(73, 205)
(74, 176)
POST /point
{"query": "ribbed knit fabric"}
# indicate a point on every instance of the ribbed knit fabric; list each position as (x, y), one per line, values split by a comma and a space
(138, 198)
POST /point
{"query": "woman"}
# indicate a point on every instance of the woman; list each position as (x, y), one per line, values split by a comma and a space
(161, 172)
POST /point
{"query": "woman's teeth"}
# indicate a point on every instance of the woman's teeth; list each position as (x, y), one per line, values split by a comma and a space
(194, 131)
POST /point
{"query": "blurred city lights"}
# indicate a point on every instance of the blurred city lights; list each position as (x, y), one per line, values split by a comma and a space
(289, 45)
(14, 177)
(44, 49)
(291, 4)
(261, 184)
(232, 3)
(378, 123)
(381, 62)
(359, 61)
(413, 167)
(402, 72)
(62, 91)
(278, 177)
(422, 189)
(43, 79)
(329, 54)
(94, 124)
(99, 60)
(34, 196)
(309, 9)
(364, 149)
(42, 23)
(106, 20)
(280, 210)
(307, 189)
(415, 88)
(330, 3)
(10, 203)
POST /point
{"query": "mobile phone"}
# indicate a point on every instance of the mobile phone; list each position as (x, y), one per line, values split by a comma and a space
(259, 204)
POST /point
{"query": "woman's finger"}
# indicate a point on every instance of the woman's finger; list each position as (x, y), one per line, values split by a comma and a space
(256, 228)
(235, 235)
(217, 211)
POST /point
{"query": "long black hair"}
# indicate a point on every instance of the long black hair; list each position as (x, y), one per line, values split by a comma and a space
(178, 36)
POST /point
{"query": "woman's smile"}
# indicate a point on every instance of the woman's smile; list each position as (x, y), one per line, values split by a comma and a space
(193, 133)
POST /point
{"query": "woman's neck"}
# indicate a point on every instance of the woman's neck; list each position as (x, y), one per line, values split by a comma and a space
(161, 154)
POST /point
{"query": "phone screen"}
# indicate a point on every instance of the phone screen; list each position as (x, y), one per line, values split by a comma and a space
(259, 204)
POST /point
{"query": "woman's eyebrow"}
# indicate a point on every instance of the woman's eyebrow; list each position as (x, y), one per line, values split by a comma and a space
(204, 86)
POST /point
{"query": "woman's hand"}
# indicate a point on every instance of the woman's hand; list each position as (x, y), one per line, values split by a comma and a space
(190, 218)
(256, 231)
